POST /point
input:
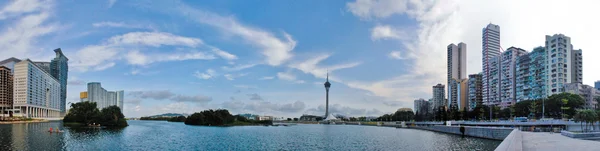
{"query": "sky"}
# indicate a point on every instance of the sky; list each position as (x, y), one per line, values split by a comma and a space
(271, 57)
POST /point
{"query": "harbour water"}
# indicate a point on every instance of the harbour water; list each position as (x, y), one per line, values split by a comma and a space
(161, 135)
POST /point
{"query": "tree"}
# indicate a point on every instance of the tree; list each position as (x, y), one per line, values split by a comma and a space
(289, 119)
(533, 109)
(585, 116)
(295, 119)
(464, 115)
(112, 116)
(179, 119)
(82, 112)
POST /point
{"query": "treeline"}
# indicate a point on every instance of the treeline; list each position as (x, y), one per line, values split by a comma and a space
(556, 106)
(221, 117)
(397, 116)
(85, 113)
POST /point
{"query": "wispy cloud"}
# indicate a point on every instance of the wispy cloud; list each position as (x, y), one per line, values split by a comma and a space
(396, 55)
(25, 21)
(234, 76)
(387, 32)
(266, 78)
(288, 77)
(111, 3)
(122, 25)
(277, 51)
(154, 39)
(223, 54)
(210, 73)
(311, 66)
(238, 67)
(137, 58)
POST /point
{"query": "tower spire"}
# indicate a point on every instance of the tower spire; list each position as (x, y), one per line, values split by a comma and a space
(327, 74)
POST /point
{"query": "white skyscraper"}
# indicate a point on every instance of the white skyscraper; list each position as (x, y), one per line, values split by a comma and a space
(36, 92)
(457, 71)
(104, 98)
(558, 67)
(490, 49)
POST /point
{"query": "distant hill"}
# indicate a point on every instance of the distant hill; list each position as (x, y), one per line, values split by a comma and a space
(168, 115)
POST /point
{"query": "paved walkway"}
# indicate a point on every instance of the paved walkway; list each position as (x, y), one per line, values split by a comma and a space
(541, 141)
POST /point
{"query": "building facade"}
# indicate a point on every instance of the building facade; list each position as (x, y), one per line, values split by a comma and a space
(588, 93)
(559, 50)
(421, 105)
(6, 90)
(457, 71)
(43, 65)
(531, 75)
(463, 94)
(493, 81)
(10, 64)
(102, 97)
(475, 91)
(508, 75)
(59, 69)
(597, 85)
(490, 50)
(36, 93)
(439, 95)
(577, 66)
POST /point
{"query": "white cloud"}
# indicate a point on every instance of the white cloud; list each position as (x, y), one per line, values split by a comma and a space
(28, 22)
(136, 58)
(96, 57)
(19, 7)
(311, 66)
(286, 76)
(264, 107)
(122, 25)
(266, 78)
(386, 32)
(368, 9)
(122, 45)
(154, 39)
(210, 73)
(238, 67)
(277, 51)
(233, 77)
(223, 54)
(396, 55)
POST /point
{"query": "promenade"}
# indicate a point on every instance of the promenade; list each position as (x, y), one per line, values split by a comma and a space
(536, 141)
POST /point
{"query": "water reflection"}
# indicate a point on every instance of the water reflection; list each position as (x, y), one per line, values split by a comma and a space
(159, 135)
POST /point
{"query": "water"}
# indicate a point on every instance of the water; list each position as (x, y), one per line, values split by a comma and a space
(160, 135)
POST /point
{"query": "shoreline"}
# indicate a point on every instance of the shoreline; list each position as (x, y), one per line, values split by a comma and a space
(21, 122)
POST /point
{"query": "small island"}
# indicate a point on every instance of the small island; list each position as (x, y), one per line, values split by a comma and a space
(222, 117)
(86, 114)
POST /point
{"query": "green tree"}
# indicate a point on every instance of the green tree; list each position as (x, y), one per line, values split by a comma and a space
(177, 119)
(112, 116)
(533, 109)
(295, 119)
(83, 112)
(585, 116)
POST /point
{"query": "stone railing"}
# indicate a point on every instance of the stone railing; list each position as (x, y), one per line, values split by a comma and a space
(512, 142)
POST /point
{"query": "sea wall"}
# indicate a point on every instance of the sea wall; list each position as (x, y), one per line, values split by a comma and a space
(580, 135)
(495, 133)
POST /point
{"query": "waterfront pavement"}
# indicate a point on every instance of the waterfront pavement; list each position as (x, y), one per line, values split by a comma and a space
(540, 141)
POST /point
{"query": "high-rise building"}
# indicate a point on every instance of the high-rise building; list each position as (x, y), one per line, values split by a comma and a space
(558, 68)
(439, 96)
(120, 95)
(6, 90)
(475, 91)
(96, 93)
(508, 76)
(462, 94)
(36, 93)
(597, 85)
(420, 105)
(10, 64)
(494, 79)
(588, 93)
(59, 69)
(531, 75)
(457, 71)
(577, 66)
(43, 65)
(490, 49)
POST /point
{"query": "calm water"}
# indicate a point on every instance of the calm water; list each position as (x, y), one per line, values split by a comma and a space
(159, 135)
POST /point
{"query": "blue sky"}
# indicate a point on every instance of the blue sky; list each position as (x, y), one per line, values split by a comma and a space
(266, 57)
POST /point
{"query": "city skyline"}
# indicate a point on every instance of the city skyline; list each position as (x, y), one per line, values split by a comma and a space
(185, 56)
